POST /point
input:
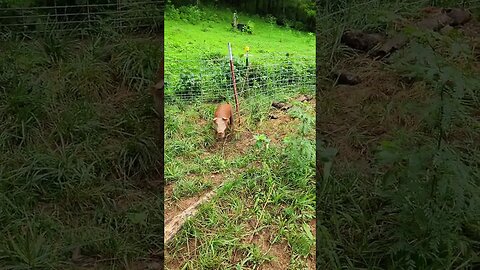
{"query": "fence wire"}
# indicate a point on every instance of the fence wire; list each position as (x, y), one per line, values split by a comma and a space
(210, 79)
(87, 15)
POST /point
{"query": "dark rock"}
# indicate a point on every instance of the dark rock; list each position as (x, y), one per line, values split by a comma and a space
(459, 16)
(346, 78)
(281, 105)
(303, 98)
(391, 45)
(360, 40)
(436, 22)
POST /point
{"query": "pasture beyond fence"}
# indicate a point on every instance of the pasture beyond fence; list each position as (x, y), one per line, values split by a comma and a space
(209, 79)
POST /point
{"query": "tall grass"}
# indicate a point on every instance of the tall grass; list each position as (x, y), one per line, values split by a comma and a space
(416, 206)
(79, 150)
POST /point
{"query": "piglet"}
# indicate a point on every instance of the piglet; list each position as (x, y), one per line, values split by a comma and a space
(223, 118)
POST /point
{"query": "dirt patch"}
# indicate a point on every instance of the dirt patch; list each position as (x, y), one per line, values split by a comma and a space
(354, 118)
(236, 144)
(278, 129)
(176, 261)
(279, 252)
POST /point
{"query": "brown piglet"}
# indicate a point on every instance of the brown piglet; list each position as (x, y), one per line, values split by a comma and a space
(223, 118)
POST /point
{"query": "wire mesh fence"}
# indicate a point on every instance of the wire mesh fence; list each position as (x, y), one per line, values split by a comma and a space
(32, 16)
(209, 79)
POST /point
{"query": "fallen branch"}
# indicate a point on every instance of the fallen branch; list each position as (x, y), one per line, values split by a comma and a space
(176, 223)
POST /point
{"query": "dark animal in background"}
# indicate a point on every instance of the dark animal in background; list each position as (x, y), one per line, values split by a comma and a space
(240, 26)
(243, 27)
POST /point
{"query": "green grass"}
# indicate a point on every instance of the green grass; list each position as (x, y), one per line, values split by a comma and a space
(411, 200)
(269, 187)
(190, 37)
(78, 148)
(197, 54)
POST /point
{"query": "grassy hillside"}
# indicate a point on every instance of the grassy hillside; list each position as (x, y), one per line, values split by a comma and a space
(191, 33)
(78, 152)
(197, 52)
(403, 191)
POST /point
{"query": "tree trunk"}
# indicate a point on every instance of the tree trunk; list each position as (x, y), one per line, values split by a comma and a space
(297, 8)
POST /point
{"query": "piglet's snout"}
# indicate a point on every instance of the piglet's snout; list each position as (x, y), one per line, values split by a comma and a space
(221, 130)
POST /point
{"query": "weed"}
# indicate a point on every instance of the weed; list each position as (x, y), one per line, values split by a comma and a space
(88, 77)
(28, 249)
(188, 87)
(137, 62)
(188, 188)
(427, 174)
(258, 109)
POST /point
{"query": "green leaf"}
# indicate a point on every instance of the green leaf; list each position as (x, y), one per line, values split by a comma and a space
(328, 154)
(308, 232)
(327, 167)
(138, 218)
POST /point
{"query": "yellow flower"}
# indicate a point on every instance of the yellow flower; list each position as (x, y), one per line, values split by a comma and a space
(246, 49)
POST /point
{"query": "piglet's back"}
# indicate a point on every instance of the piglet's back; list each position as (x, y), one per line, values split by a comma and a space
(223, 110)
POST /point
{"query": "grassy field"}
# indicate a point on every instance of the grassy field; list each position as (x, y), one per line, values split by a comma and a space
(79, 152)
(190, 33)
(263, 215)
(197, 64)
(403, 191)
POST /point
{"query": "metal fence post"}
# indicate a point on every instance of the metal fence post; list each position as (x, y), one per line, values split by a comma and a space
(232, 68)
